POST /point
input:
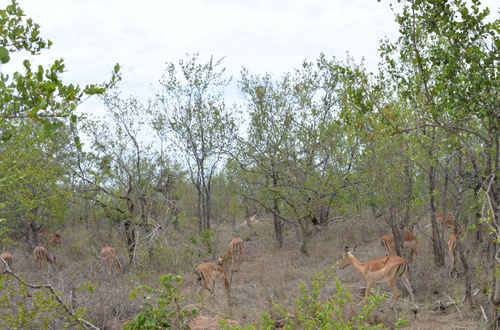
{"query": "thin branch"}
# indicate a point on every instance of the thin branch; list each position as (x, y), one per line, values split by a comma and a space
(53, 293)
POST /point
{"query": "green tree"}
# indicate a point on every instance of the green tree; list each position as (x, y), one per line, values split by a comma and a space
(34, 189)
(123, 172)
(37, 93)
(296, 157)
(193, 115)
(444, 68)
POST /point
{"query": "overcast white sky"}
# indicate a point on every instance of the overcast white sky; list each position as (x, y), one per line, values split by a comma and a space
(272, 36)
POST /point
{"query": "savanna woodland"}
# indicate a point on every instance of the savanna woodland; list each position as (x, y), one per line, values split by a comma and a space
(118, 221)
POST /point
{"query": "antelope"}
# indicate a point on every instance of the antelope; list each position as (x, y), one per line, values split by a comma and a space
(209, 272)
(385, 268)
(42, 257)
(8, 259)
(55, 239)
(449, 221)
(109, 256)
(42, 233)
(235, 250)
(410, 242)
(452, 249)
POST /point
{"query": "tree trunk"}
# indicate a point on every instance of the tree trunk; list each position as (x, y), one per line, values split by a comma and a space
(397, 232)
(437, 246)
(199, 213)
(130, 234)
(305, 234)
(278, 230)
(465, 264)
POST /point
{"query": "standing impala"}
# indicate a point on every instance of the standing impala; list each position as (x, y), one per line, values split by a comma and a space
(410, 242)
(235, 250)
(207, 273)
(42, 258)
(380, 269)
(55, 239)
(452, 249)
(449, 221)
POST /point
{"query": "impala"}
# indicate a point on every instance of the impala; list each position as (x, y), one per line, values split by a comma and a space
(379, 269)
(449, 221)
(208, 272)
(109, 256)
(8, 259)
(410, 242)
(235, 250)
(452, 249)
(42, 234)
(42, 257)
(55, 239)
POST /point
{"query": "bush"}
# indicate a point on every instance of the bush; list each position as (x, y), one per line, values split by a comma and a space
(30, 306)
(161, 307)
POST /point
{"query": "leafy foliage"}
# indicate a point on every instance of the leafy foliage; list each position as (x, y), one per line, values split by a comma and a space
(37, 94)
(33, 308)
(161, 306)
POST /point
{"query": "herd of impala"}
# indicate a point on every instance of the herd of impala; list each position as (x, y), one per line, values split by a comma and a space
(43, 259)
(387, 268)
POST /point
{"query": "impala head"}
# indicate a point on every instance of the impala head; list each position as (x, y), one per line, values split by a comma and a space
(220, 260)
(345, 260)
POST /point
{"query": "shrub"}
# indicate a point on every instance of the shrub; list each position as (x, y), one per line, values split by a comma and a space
(161, 306)
(25, 305)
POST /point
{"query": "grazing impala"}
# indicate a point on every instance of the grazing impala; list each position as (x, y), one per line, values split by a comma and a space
(42, 257)
(452, 249)
(379, 269)
(8, 259)
(208, 272)
(55, 239)
(410, 242)
(235, 250)
(109, 256)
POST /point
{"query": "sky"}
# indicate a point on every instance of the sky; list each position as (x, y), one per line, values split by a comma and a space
(265, 36)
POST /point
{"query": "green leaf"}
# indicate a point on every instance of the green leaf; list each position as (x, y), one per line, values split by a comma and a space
(4, 55)
(6, 135)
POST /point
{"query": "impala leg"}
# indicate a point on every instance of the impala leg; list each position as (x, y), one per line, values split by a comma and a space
(238, 260)
(108, 267)
(406, 282)
(213, 284)
(394, 289)
(369, 284)
(452, 261)
(205, 286)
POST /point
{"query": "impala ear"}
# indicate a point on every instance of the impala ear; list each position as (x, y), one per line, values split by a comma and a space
(355, 246)
(346, 249)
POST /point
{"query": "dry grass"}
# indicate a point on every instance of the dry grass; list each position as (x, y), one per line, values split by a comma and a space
(268, 275)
